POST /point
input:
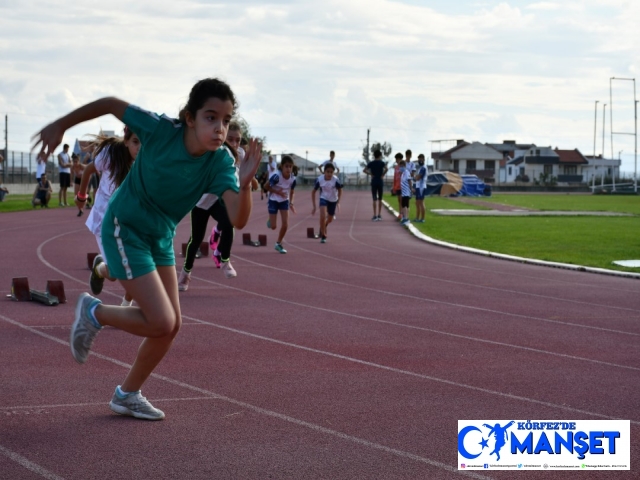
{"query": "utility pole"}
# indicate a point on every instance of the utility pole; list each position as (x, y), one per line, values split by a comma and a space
(368, 131)
(6, 148)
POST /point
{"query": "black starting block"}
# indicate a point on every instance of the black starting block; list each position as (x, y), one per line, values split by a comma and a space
(311, 233)
(261, 242)
(53, 295)
(203, 251)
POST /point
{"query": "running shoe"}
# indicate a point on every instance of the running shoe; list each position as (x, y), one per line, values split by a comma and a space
(80, 212)
(228, 270)
(280, 248)
(323, 240)
(374, 218)
(96, 282)
(85, 328)
(217, 259)
(379, 218)
(135, 405)
(125, 302)
(404, 222)
(198, 253)
(183, 281)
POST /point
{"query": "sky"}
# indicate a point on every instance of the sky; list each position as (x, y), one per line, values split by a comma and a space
(315, 76)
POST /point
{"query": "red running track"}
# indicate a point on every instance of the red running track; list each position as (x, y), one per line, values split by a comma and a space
(353, 359)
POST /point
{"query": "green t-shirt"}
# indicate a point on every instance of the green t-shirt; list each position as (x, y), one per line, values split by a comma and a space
(165, 182)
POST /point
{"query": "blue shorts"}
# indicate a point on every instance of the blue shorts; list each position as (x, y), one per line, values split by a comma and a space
(131, 254)
(420, 193)
(331, 206)
(274, 205)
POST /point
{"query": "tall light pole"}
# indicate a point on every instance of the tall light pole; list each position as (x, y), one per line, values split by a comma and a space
(635, 133)
(604, 121)
(595, 123)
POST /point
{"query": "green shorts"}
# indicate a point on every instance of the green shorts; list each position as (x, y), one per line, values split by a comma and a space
(131, 254)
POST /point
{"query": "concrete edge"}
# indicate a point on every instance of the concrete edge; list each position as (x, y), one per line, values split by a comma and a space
(567, 266)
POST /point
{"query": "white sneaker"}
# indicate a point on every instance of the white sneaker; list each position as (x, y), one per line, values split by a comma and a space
(183, 281)
(126, 303)
(228, 270)
(135, 405)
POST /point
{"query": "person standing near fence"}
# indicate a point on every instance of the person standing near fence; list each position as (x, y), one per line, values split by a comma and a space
(64, 164)
(41, 166)
(377, 169)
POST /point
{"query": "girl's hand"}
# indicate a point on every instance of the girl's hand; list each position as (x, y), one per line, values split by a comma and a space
(292, 208)
(249, 166)
(313, 212)
(50, 137)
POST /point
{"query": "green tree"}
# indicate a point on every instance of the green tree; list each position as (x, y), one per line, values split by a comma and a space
(385, 148)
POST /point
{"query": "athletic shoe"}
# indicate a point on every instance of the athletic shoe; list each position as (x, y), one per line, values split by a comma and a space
(404, 221)
(80, 212)
(379, 218)
(374, 219)
(217, 259)
(228, 270)
(134, 405)
(84, 329)
(126, 303)
(96, 282)
(280, 248)
(323, 240)
(198, 253)
(213, 239)
(183, 281)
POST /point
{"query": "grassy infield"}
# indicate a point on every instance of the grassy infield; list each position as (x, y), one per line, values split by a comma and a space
(590, 241)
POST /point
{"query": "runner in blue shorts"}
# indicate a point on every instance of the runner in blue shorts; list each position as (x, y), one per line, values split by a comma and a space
(180, 159)
(280, 188)
(330, 195)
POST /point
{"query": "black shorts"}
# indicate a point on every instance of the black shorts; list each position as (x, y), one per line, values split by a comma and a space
(76, 180)
(405, 201)
(376, 191)
(65, 180)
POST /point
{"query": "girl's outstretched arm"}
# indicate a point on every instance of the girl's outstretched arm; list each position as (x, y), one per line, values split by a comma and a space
(239, 204)
(51, 136)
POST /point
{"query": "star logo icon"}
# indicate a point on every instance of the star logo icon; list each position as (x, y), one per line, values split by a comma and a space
(484, 443)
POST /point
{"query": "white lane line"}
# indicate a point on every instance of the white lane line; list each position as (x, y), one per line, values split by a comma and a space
(259, 410)
(429, 259)
(439, 302)
(475, 339)
(29, 465)
(471, 286)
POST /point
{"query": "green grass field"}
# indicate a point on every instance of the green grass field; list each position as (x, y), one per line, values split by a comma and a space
(589, 241)
(16, 203)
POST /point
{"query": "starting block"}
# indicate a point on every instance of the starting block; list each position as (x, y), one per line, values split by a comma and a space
(90, 258)
(203, 251)
(53, 295)
(311, 233)
(261, 242)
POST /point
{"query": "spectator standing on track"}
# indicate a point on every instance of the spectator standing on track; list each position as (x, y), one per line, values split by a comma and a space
(330, 195)
(396, 189)
(41, 166)
(94, 181)
(114, 158)
(332, 159)
(377, 169)
(405, 191)
(64, 171)
(281, 187)
(221, 238)
(140, 222)
(420, 177)
(76, 172)
(42, 193)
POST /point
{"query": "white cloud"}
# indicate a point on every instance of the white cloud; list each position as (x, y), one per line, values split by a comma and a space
(313, 75)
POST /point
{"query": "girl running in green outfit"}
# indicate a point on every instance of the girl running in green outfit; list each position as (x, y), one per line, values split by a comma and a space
(179, 161)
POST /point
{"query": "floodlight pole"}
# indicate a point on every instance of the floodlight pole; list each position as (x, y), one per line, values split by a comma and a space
(635, 134)
(595, 123)
(604, 121)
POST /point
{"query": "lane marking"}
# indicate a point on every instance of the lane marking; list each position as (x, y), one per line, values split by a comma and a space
(260, 410)
(28, 464)
(95, 404)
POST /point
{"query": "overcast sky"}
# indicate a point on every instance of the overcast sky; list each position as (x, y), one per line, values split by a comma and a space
(313, 76)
